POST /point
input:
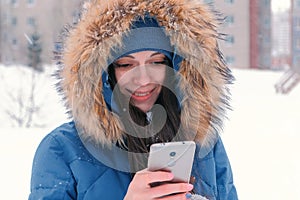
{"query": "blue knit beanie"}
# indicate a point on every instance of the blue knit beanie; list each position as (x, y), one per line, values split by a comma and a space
(145, 35)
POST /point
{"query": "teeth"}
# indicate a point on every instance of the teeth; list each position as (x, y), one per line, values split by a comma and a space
(141, 94)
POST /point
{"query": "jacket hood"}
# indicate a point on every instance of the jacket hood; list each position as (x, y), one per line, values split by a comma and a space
(192, 29)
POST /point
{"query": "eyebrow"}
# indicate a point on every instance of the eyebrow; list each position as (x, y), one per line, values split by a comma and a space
(154, 54)
(130, 56)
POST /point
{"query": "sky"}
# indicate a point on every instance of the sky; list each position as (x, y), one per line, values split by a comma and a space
(261, 134)
(280, 4)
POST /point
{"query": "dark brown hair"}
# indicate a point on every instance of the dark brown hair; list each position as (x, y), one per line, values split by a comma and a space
(167, 99)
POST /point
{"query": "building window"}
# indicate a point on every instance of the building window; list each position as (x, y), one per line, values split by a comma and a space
(267, 2)
(229, 20)
(229, 1)
(30, 2)
(14, 21)
(230, 60)
(229, 39)
(14, 43)
(14, 2)
(31, 21)
(267, 22)
(208, 1)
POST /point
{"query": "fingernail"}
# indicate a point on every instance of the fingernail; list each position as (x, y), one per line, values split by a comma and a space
(170, 176)
(188, 195)
(190, 186)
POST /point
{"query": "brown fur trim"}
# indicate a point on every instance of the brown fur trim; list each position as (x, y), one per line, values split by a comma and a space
(192, 29)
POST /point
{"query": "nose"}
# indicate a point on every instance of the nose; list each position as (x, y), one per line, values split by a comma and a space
(142, 76)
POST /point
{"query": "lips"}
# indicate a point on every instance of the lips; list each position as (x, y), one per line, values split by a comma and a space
(142, 95)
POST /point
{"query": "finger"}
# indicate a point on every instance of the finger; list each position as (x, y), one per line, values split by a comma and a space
(173, 188)
(181, 196)
(157, 176)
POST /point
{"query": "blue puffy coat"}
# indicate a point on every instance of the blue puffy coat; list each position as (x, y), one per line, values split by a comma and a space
(63, 169)
(186, 32)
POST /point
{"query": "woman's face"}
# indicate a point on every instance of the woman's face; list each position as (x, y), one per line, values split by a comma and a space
(140, 76)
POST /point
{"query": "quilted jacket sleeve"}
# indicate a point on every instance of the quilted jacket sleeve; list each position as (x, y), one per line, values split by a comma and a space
(224, 177)
(51, 176)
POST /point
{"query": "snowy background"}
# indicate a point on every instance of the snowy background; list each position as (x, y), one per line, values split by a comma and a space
(262, 134)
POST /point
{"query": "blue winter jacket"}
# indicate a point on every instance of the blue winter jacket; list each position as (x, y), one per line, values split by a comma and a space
(185, 32)
(63, 169)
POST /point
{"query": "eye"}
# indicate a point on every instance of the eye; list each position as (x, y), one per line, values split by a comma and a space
(159, 62)
(118, 65)
(163, 61)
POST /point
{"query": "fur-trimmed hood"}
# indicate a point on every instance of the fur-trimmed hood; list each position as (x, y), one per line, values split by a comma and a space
(192, 29)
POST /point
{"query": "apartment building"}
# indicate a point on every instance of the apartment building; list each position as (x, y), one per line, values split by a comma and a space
(248, 28)
(236, 26)
(20, 19)
(295, 7)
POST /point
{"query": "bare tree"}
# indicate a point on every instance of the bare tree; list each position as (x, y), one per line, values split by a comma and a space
(24, 104)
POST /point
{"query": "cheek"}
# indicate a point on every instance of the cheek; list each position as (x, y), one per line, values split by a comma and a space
(121, 80)
(118, 74)
(160, 75)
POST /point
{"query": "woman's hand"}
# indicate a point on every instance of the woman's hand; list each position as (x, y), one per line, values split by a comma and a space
(140, 188)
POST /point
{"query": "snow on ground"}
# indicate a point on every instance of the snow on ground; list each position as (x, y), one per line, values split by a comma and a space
(261, 136)
(17, 145)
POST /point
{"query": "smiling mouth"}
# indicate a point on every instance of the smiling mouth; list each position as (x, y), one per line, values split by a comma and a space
(142, 96)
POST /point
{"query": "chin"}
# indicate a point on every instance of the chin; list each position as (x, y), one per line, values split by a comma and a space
(144, 108)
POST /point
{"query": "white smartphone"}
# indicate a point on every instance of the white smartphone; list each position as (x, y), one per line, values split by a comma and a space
(176, 157)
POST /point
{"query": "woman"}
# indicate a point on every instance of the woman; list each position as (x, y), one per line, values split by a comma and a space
(134, 73)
